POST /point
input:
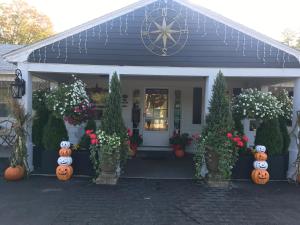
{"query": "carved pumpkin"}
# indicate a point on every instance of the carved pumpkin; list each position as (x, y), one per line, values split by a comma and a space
(260, 176)
(64, 160)
(179, 153)
(14, 173)
(260, 148)
(262, 165)
(261, 156)
(65, 152)
(65, 144)
(64, 172)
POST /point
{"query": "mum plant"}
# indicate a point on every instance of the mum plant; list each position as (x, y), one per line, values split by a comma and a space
(70, 102)
(218, 146)
(255, 104)
(135, 140)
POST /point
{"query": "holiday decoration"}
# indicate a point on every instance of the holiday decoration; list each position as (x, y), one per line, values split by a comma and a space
(64, 171)
(260, 174)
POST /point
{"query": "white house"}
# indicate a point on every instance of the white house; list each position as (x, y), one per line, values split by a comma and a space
(167, 54)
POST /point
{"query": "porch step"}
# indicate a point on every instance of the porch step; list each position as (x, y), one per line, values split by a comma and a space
(155, 148)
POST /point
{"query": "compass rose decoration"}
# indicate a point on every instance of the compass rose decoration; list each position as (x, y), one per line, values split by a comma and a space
(164, 32)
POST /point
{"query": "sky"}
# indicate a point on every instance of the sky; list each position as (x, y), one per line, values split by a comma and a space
(270, 17)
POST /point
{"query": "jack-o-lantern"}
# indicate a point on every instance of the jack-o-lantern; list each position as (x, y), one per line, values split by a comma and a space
(260, 176)
(261, 156)
(64, 160)
(65, 144)
(262, 165)
(65, 152)
(64, 172)
(260, 148)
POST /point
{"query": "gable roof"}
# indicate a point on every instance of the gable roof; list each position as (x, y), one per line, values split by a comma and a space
(21, 55)
(6, 67)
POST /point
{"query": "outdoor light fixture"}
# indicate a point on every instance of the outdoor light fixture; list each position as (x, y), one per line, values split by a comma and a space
(18, 86)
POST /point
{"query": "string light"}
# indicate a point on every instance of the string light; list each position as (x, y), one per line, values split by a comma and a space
(231, 33)
(288, 58)
(85, 41)
(225, 35)
(270, 50)
(126, 24)
(58, 47)
(120, 19)
(238, 41)
(111, 24)
(106, 33)
(40, 57)
(198, 26)
(99, 33)
(79, 43)
(45, 54)
(251, 42)
(244, 45)
(204, 26)
(257, 50)
(66, 50)
(264, 55)
(277, 56)
(217, 28)
(94, 34)
(52, 48)
(283, 59)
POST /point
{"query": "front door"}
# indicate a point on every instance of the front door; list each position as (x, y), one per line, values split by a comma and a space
(156, 117)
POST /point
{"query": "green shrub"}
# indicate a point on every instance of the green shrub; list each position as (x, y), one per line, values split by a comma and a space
(269, 135)
(85, 141)
(285, 135)
(54, 132)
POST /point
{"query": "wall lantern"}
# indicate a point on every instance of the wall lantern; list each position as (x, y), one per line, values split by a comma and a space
(18, 86)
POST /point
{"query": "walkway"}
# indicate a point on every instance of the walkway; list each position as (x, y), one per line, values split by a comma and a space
(46, 201)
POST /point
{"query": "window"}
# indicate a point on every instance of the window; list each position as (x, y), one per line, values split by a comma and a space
(4, 94)
(197, 105)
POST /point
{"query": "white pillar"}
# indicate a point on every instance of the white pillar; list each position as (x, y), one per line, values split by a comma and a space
(210, 80)
(293, 149)
(27, 103)
(264, 89)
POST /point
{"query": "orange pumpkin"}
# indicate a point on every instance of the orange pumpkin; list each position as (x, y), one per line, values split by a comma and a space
(179, 153)
(261, 156)
(14, 173)
(260, 176)
(65, 152)
(64, 172)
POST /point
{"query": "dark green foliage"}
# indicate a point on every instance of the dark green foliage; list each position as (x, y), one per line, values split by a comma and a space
(219, 118)
(238, 125)
(85, 140)
(54, 132)
(269, 135)
(285, 134)
(112, 121)
(40, 118)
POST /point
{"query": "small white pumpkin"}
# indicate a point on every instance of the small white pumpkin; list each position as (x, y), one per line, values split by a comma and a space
(261, 165)
(65, 144)
(260, 148)
(64, 160)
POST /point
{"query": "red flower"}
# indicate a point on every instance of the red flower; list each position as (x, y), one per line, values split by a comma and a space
(94, 141)
(89, 132)
(240, 144)
(229, 135)
(129, 132)
(236, 139)
(93, 136)
(245, 138)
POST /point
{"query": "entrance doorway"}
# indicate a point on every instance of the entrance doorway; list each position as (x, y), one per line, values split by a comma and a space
(156, 117)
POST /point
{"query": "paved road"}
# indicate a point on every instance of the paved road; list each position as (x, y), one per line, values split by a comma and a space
(46, 201)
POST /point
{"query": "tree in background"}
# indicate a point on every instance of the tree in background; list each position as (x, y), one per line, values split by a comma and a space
(21, 23)
(291, 38)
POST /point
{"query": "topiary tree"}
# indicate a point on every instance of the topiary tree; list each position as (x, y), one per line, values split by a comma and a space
(269, 135)
(85, 141)
(218, 150)
(54, 132)
(40, 118)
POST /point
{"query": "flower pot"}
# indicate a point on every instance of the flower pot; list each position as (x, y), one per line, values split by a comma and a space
(82, 164)
(179, 153)
(75, 132)
(175, 147)
(14, 173)
(107, 168)
(212, 161)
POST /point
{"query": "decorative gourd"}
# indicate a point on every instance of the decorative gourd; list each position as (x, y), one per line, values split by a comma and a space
(14, 173)
(65, 152)
(260, 176)
(64, 160)
(260, 148)
(262, 165)
(261, 156)
(64, 172)
(65, 144)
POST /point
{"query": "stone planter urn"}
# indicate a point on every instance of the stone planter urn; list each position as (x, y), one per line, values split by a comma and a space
(108, 174)
(75, 132)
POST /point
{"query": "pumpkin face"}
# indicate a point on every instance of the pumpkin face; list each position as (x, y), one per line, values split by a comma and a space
(65, 152)
(260, 176)
(260, 148)
(64, 160)
(65, 144)
(14, 173)
(262, 165)
(261, 156)
(64, 172)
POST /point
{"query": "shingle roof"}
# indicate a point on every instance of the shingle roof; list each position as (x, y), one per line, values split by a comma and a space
(6, 67)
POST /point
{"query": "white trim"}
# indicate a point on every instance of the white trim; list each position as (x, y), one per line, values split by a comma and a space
(162, 71)
(21, 55)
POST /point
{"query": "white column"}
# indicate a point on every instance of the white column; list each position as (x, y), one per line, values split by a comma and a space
(27, 103)
(293, 150)
(264, 88)
(210, 80)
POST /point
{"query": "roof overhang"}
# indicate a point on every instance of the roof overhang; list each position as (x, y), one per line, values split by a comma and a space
(21, 55)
